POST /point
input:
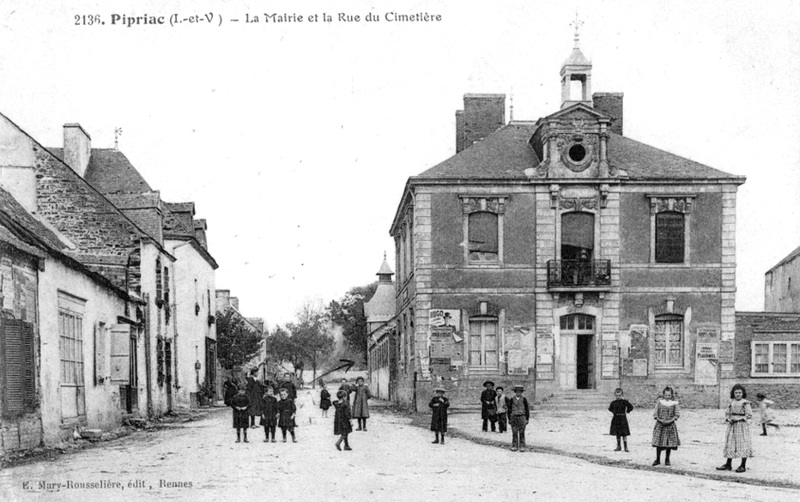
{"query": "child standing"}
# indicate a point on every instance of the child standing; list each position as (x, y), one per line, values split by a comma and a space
(324, 399)
(620, 407)
(502, 416)
(765, 414)
(269, 418)
(488, 411)
(286, 413)
(737, 440)
(519, 415)
(361, 399)
(439, 405)
(341, 419)
(665, 432)
(240, 403)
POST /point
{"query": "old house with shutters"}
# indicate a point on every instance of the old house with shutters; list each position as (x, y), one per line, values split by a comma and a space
(562, 255)
(182, 312)
(67, 351)
(382, 337)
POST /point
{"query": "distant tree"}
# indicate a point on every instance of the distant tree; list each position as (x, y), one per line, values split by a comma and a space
(348, 314)
(283, 348)
(311, 335)
(237, 341)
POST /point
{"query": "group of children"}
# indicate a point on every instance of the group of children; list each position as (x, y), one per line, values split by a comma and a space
(274, 413)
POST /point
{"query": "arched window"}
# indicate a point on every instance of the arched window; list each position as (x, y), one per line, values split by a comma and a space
(577, 322)
(670, 234)
(669, 340)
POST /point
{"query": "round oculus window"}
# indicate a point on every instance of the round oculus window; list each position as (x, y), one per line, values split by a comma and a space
(577, 153)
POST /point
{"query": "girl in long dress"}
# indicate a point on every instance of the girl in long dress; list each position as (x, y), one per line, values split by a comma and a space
(620, 407)
(665, 432)
(341, 420)
(361, 403)
(738, 443)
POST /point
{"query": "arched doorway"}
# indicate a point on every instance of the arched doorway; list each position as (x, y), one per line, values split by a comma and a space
(577, 358)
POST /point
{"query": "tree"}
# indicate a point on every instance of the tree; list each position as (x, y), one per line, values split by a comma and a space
(284, 348)
(348, 314)
(237, 341)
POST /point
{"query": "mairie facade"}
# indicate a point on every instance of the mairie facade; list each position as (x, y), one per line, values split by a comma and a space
(564, 256)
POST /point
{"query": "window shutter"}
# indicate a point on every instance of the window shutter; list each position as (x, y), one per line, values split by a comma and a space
(100, 368)
(14, 366)
(28, 366)
(120, 354)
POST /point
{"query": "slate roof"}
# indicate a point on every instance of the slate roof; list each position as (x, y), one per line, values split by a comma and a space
(28, 224)
(577, 58)
(110, 171)
(791, 256)
(506, 153)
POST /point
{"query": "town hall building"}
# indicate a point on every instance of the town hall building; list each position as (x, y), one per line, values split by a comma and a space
(562, 255)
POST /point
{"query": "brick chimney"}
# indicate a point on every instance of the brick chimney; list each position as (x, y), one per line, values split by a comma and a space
(77, 148)
(482, 115)
(610, 103)
(223, 299)
(200, 227)
(235, 302)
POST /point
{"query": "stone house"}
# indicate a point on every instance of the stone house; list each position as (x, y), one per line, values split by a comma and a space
(382, 339)
(565, 256)
(779, 294)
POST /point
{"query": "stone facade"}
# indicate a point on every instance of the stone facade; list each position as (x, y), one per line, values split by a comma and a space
(561, 255)
(780, 295)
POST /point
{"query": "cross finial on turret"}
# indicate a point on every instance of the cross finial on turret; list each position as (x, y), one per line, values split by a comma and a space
(577, 23)
(117, 134)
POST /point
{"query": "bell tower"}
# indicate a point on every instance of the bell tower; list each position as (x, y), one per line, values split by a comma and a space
(576, 74)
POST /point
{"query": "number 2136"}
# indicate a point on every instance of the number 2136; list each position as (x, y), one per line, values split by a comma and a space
(87, 20)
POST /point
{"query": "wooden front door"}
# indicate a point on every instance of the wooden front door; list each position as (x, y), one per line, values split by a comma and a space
(568, 367)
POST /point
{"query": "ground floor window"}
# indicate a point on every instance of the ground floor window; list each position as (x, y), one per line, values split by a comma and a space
(70, 330)
(669, 341)
(483, 342)
(776, 358)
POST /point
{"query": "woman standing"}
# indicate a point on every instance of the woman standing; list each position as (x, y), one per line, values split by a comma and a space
(361, 403)
(255, 395)
(665, 432)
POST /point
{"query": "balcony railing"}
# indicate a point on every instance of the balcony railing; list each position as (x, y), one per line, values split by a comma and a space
(578, 273)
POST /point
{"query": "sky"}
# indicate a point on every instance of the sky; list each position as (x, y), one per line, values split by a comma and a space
(295, 139)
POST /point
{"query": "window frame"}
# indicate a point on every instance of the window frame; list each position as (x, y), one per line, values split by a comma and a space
(669, 318)
(770, 358)
(672, 203)
(484, 321)
(494, 204)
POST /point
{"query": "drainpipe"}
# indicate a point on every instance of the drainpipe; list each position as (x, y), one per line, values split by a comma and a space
(147, 356)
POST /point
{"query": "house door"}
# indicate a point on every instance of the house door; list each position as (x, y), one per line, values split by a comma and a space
(576, 360)
(568, 367)
(584, 362)
(211, 364)
(168, 372)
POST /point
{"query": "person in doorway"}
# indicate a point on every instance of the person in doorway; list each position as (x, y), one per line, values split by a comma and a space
(324, 399)
(766, 416)
(502, 410)
(488, 407)
(269, 417)
(288, 385)
(239, 404)
(254, 394)
(341, 420)
(286, 414)
(519, 415)
(620, 407)
(361, 397)
(665, 431)
(230, 390)
(438, 406)
(738, 443)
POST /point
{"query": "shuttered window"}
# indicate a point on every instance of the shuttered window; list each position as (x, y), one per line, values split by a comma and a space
(19, 366)
(670, 236)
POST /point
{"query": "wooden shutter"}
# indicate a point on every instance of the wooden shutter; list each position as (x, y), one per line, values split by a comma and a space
(20, 366)
(100, 367)
(120, 354)
(29, 366)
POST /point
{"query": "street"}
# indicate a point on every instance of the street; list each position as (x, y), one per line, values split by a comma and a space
(394, 460)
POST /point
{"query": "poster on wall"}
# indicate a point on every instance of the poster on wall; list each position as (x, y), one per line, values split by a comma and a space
(515, 364)
(638, 341)
(545, 353)
(706, 360)
(443, 323)
(610, 368)
(640, 367)
(726, 351)
(424, 366)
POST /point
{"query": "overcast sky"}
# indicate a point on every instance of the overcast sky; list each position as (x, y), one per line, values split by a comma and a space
(295, 140)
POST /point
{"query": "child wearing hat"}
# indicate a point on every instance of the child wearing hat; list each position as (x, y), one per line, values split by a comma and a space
(439, 405)
(519, 415)
(488, 407)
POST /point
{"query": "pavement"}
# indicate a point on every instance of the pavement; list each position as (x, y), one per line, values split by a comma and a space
(394, 460)
(584, 434)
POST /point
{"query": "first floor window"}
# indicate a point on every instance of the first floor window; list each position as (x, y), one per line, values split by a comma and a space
(669, 341)
(483, 342)
(776, 358)
(670, 236)
(483, 237)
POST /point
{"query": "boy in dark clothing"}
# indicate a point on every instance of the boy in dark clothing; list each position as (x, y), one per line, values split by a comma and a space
(341, 420)
(488, 408)
(289, 386)
(286, 413)
(230, 390)
(439, 405)
(518, 415)
(269, 418)
(239, 403)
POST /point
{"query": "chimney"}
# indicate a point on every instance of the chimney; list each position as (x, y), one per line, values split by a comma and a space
(235, 302)
(200, 228)
(610, 103)
(17, 165)
(483, 114)
(223, 299)
(77, 148)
